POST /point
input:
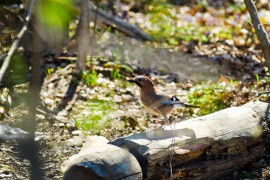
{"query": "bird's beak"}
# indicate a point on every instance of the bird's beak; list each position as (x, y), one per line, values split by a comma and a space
(133, 81)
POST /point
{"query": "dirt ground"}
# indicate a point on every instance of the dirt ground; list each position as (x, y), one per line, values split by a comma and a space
(53, 136)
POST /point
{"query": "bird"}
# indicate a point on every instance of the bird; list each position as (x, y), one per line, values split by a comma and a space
(157, 101)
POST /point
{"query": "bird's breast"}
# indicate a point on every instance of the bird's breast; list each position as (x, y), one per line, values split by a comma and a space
(152, 103)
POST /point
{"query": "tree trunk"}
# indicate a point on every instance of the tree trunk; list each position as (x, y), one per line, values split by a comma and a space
(84, 31)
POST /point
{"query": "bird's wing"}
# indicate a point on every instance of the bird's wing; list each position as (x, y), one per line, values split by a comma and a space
(167, 99)
(175, 100)
(162, 96)
(172, 100)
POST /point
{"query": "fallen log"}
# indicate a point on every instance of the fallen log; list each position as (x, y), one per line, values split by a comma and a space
(99, 160)
(206, 147)
(113, 21)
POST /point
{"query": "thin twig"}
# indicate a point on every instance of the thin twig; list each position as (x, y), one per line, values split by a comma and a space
(95, 22)
(259, 29)
(16, 41)
(266, 92)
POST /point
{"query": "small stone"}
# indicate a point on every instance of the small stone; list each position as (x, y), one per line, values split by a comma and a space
(128, 89)
(10, 133)
(40, 116)
(61, 125)
(75, 141)
(126, 97)
(226, 56)
(5, 176)
(60, 118)
(48, 101)
(70, 125)
(77, 133)
(229, 42)
(117, 99)
(63, 113)
(39, 136)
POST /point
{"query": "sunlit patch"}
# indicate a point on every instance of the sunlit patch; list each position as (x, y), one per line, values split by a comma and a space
(94, 114)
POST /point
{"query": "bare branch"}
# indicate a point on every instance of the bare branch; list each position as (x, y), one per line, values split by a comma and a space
(16, 41)
(259, 29)
(119, 24)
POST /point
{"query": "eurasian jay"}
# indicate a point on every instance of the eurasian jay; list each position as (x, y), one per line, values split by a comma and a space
(156, 100)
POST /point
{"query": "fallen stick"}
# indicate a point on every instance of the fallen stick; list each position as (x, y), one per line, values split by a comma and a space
(106, 19)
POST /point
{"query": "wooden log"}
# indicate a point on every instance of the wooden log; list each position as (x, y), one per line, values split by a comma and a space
(117, 23)
(206, 147)
(99, 160)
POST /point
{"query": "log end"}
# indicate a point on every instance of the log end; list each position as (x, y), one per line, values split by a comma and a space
(104, 161)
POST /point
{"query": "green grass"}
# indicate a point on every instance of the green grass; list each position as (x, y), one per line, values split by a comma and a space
(95, 115)
(167, 27)
(267, 74)
(210, 98)
(90, 77)
(115, 73)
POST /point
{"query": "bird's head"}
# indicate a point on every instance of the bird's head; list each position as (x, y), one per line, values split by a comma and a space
(142, 81)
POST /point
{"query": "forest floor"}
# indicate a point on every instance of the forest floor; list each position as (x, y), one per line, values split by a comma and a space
(104, 103)
(113, 108)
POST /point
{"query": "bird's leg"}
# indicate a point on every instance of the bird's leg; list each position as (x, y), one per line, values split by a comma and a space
(157, 123)
(158, 119)
(164, 121)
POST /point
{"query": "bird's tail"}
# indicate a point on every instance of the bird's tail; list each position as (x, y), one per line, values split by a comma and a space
(191, 106)
(179, 104)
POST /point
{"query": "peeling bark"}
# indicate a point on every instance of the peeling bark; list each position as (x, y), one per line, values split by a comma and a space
(206, 147)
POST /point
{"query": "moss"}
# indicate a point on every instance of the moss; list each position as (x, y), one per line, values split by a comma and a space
(210, 98)
(95, 115)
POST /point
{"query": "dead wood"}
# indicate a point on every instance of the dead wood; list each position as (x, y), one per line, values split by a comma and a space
(207, 147)
(259, 29)
(113, 21)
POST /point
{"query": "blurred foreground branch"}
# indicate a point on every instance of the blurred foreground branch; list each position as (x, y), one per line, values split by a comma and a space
(16, 41)
(29, 147)
(119, 24)
(84, 32)
(260, 31)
